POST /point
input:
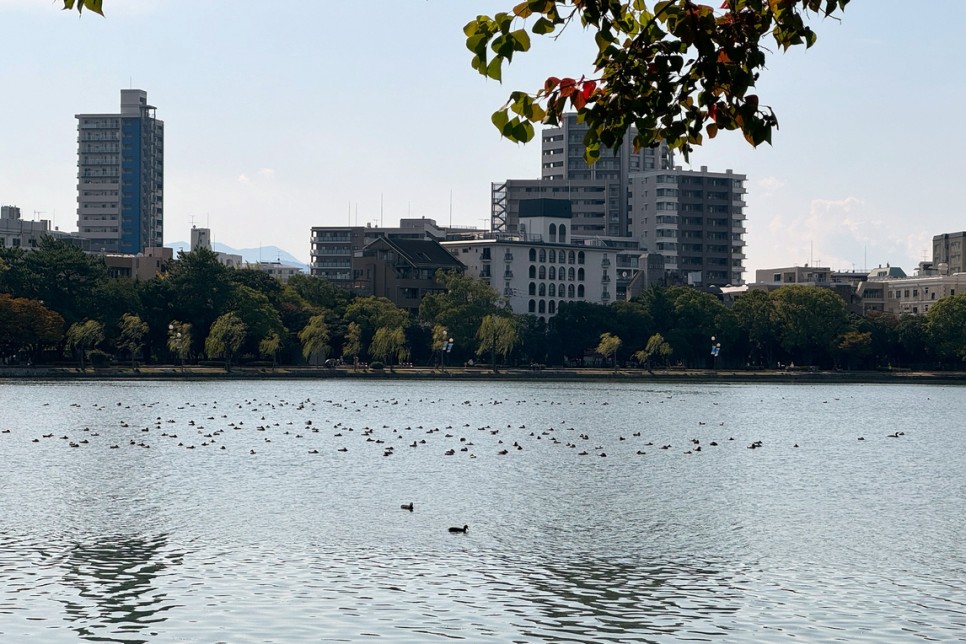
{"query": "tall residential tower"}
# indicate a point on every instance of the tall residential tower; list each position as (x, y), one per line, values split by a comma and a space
(120, 176)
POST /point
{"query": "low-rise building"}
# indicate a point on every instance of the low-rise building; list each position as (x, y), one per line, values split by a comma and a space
(401, 270)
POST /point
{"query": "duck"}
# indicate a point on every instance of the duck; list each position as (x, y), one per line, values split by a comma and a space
(407, 506)
(463, 529)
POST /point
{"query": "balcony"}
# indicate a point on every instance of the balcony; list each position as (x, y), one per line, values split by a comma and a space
(605, 263)
(508, 257)
(508, 275)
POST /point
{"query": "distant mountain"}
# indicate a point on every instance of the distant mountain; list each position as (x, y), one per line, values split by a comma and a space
(251, 255)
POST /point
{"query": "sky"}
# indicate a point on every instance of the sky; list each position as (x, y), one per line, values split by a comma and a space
(282, 116)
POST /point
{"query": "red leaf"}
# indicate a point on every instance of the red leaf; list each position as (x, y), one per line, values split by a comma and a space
(551, 83)
(589, 88)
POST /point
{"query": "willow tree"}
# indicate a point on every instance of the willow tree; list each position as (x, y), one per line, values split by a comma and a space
(84, 336)
(608, 347)
(388, 344)
(315, 339)
(226, 337)
(498, 334)
(133, 330)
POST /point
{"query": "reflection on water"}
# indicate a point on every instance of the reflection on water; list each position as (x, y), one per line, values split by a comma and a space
(115, 581)
(258, 512)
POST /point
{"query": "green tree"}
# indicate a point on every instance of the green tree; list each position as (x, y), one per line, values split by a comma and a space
(226, 337)
(609, 346)
(389, 344)
(199, 289)
(754, 312)
(179, 340)
(946, 329)
(372, 313)
(577, 326)
(352, 347)
(269, 346)
(84, 336)
(677, 70)
(133, 331)
(809, 318)
(63, 277)
(315, 339)
(656, 346)
(27, 325)
(498, 334)
(461, 307)
(854, 347)
(698, 317)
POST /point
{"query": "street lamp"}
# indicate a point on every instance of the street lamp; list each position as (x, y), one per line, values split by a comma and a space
(715, 350)
(446, 348)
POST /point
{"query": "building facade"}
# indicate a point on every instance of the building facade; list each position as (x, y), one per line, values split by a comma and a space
(333, 247)
(695, 219)
(541, 268)
(598, 192)
(401, 270)
(948, 249)
(120, 177)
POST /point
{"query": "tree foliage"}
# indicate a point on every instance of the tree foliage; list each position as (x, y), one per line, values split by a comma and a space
(315, 339)
(498, 334)
(226, 337)
(84, 336)
(133, 331)
(608, 347)
(677, 70)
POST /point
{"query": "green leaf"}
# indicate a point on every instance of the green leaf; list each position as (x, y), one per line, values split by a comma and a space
(542, 27)
(521, 40)
(495, 69)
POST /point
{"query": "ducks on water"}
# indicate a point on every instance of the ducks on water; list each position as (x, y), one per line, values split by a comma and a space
(463, 529)
(407, 506)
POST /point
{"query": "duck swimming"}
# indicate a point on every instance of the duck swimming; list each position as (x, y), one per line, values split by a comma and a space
(463, 529)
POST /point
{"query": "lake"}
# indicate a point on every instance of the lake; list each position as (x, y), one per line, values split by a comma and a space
(269, 511)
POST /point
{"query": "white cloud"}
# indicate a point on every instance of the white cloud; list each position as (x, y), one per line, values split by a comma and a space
(267, 173)
(243, 178)
(768, 186)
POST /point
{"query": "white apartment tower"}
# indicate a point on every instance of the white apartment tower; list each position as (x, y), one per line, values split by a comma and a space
(120, 177)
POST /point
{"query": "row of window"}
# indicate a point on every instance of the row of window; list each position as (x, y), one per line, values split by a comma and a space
(563, 256)
(553, 290)
(568, 274)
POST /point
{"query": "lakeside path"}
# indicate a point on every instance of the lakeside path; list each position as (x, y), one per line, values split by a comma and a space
(168, 372)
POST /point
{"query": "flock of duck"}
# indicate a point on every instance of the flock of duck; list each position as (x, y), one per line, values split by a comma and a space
(208, 426)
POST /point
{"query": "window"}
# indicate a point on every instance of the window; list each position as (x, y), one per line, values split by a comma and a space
(580, 274)
(533, 271)
(562, 233)
(532, 306)
(553, 233)
(580, 257)
(570, 290)
(552, 291)
(542, 308)
(570, 273)
(543, 290)
(533, 254)
(553, 273)
(532, 289)
(543, 255)
(552, 308)
(543, 272)
(580, 290)
(553, 256)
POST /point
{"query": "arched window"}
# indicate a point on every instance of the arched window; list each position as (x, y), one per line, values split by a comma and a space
(570, 290)
(533, 254)
(543, 255)
(553, 232)
(562, 233)
(562, 290)
(552, 291)
(580, 290)
(532, 307)
(543, 290)
(543, 272)
(552, 274)
(580, 275)
(572, 257)
(532, 290)
(553, 307)
(580, 257)
(570, 273)
(543, 307)
(533, 271)
(552, 256)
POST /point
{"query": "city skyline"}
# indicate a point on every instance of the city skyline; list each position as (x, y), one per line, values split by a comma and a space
(275, 125)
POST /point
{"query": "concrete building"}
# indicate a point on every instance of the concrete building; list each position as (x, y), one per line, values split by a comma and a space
(120, 177)
(540, 267)
(333, 247)
(278, 270)
(563, 161)
(142, 266)
(695, 219)
(948, 249)
(401, 270)
(201, 238)
(16, 232)
(805, 275)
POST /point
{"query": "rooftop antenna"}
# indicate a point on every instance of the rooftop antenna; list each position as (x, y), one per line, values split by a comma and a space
(451, 208)
(380, 209)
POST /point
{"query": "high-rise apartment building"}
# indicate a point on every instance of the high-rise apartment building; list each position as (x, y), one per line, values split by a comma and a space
(120, 177)
(695, 220)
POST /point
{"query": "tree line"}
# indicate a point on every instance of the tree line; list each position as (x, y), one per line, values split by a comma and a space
(59, 304)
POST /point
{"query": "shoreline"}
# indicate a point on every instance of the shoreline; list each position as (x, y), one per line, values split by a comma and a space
(168, 372)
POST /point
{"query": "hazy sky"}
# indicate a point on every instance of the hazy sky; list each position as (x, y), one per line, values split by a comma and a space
(280, 116)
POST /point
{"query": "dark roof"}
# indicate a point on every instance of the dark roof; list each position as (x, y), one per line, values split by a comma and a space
(420, 252)
(543, 207)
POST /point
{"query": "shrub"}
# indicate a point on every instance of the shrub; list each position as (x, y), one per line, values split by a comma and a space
(376, 365)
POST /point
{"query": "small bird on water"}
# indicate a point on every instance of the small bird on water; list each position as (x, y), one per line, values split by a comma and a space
(463, 529)
(407, 506)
